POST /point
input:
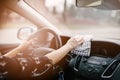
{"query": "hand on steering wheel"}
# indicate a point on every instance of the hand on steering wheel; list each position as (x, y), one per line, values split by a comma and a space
(40, 39)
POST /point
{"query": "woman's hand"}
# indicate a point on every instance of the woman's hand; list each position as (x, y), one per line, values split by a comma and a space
(24, 44)
(74, 42)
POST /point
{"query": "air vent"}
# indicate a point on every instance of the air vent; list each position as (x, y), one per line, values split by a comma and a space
(77, 62)
(111, 69)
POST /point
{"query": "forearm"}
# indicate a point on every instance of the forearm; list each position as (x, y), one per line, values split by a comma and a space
(57, 55)
(13, 52)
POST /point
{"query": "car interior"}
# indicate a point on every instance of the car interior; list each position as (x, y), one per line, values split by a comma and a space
(103, 62)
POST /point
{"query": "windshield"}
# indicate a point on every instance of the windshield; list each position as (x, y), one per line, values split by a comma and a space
(74, 21)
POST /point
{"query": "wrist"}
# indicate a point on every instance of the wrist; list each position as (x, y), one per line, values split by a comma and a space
(69, 46)
(19, 48)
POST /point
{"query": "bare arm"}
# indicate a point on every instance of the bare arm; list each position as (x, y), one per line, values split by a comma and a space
(13, 52)
(57, 55)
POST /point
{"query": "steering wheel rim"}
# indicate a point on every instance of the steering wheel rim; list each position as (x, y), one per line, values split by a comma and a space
(48, 30)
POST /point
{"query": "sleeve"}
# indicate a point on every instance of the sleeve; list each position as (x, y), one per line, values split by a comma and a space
(24, 67)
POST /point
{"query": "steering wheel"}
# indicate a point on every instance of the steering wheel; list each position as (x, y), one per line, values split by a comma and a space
(41, 40)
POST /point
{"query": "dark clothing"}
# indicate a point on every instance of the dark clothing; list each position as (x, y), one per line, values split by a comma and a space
(28, 68)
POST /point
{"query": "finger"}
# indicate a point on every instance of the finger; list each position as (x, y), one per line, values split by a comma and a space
(30, 41)
(78, 38)
(81, 41)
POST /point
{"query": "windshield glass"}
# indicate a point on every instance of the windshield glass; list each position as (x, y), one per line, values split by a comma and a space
(74, 21)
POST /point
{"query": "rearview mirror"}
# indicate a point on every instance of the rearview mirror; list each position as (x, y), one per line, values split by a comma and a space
(100, 4)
